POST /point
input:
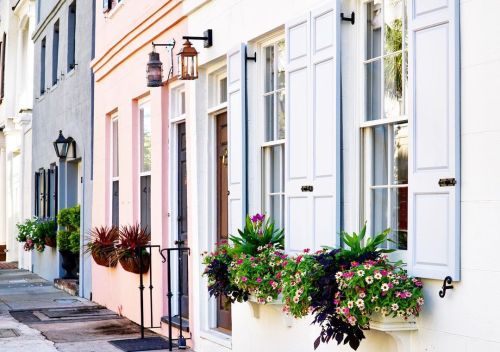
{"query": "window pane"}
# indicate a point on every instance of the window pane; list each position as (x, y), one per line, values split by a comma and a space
(281, 114)
(223, 90)
(145, 117)
(115, 204)
(275, 213)
(379, 157)
(373, 30)
(269, 103)
(393, 25)
(373, 90)
(379, 210)
(400, 151)
(281, 64)
(115, 147)
(183, 103)
(269, 79)
(276, 169)
(393, 86)
(399, 223)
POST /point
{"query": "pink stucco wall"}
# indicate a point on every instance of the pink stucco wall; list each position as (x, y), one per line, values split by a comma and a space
(122, 47)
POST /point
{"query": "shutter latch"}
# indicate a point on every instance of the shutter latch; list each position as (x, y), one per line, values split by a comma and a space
(307, 188)
(447, 182)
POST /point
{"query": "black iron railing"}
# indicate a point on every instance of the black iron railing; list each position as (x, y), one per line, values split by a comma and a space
(181, 340)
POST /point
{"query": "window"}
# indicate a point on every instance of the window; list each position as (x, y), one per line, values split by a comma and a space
(145, 163)
(108, 5)
(115, 173)
(3, 47)
(55, 53)
(41, 194)
(71, 35)
(385, 130)
(274, 147)
(42, 66)
(178, 97)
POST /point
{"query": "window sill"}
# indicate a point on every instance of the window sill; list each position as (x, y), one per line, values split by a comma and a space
(71, 72)
(218, 338)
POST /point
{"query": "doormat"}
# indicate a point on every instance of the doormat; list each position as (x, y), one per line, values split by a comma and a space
(146, 344)
(6, 333)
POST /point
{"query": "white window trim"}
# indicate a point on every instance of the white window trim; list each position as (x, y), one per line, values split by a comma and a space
(113, 117)
(140, 104)
(266, 146)
(364, 125)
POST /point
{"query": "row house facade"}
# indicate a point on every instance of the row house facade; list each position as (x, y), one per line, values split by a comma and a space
(63, 98)
(322, 124)
(17, 23)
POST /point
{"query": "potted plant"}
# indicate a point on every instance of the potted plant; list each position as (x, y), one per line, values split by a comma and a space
(25, 233)
(68, 239)
(101, 245)
(128, 250)
(46, 232)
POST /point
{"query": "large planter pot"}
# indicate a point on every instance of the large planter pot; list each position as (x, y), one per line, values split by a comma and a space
(50, 241)
(276, 304)
(132, 265)
(69, 264)
(105, 260)
(386, 324)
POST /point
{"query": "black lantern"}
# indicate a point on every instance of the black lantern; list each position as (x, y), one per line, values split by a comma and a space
(187, 62)
(155, 67)
(154, 70)
(62, 145)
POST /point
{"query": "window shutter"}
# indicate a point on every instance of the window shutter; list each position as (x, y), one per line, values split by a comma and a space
(37, 194)
(236, 106)
(434, 210)
(312, 130)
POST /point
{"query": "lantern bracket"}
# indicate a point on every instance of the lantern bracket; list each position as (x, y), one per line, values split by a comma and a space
(170, 47)
(207, 38)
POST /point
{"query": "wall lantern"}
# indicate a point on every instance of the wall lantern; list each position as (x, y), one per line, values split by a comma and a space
(62, 145)
(188, 56)
(154, 68)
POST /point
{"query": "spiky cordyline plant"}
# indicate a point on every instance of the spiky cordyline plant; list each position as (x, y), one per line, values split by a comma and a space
(130, 238)
(102, 241)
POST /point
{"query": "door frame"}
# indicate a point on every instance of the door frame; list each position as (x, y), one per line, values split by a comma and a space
(174, 122)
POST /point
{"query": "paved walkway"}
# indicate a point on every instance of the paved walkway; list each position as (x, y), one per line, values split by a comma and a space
(35, 316)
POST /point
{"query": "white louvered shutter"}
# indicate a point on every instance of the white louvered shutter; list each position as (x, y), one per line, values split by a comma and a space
(434, 119)
(312, 130)
(236, 137)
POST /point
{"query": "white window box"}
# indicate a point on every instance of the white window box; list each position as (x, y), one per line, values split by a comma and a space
(398, 328)
(276, 304)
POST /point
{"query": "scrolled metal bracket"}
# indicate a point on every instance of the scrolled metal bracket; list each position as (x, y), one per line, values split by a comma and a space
(446, 286)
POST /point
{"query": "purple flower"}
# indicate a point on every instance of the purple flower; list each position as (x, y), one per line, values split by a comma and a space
(257, 217)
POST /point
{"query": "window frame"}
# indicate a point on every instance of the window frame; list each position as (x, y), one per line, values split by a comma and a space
(367, 126)
(141, 173)
(114, 118)
(266, 147)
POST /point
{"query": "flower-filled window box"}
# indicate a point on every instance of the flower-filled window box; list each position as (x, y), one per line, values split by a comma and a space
(346, 290)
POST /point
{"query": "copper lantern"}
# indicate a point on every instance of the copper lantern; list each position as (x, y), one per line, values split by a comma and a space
(187, 62)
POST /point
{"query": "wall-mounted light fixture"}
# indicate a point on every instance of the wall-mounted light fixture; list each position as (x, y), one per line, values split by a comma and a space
(62, 145)
(155, 67)
(188, 56)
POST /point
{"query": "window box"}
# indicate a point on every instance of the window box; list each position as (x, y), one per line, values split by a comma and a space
(387, 324)
(276, 304)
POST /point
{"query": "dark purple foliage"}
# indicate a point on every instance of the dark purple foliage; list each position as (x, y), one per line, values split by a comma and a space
(218, 272)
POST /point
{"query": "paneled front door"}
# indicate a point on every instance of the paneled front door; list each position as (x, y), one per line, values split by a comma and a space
(182, 219)
(223, 306)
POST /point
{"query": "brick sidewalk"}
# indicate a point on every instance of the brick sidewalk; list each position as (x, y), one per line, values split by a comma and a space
(5, 265)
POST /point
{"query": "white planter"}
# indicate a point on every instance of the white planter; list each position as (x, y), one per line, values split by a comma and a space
(398, 328)
(276, 304)
(381, 323)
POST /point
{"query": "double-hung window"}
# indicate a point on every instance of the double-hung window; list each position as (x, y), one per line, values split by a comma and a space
(273, 149)
(385, 125)
(145, 163)
(115, 173)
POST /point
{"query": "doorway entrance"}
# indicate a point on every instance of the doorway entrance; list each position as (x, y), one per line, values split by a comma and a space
(223, 305)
